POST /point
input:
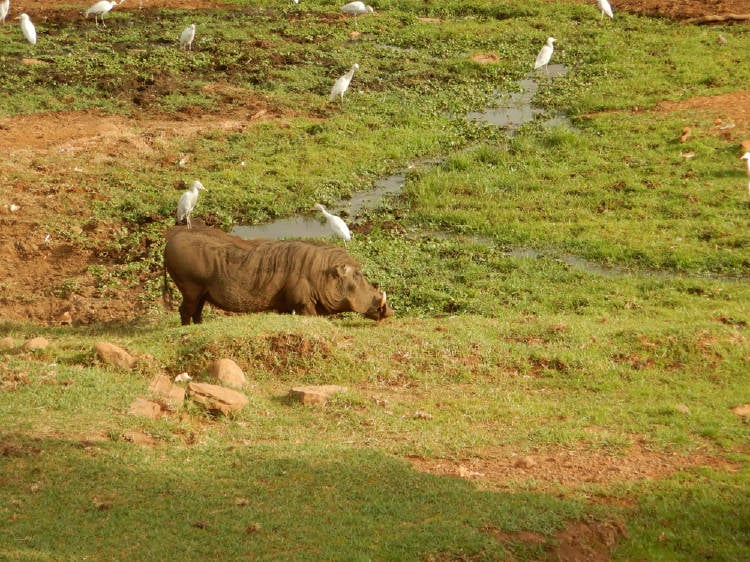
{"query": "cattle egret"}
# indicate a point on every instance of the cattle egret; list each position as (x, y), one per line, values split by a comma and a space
(186, 39)
(100, 8)
(605, 8)
(4, 9)
(28, 28)
(545, 54)
(187, 202)
(336, 224)
(356, 8)
(342, 84)
(746, 158)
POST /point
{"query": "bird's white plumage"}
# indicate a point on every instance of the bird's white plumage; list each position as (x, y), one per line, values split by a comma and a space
(4, 9)
(545, 54)
(342, 84)
(187, 36)
(28, 29)
(746, 158)
(100, 8)
(336, 224)
(356, 8)
(605, 8)
(187, 202)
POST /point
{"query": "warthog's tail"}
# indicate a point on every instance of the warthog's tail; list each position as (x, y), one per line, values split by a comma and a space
(166, 291)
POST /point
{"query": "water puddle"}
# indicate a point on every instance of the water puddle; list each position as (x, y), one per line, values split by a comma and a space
(507, 111)
(310, 226)
(511, 111)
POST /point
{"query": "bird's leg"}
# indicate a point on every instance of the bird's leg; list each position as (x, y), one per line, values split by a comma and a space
(187, 220)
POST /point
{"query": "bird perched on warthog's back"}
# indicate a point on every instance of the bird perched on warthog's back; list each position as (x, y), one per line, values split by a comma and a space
(261, 275)
(187, 202)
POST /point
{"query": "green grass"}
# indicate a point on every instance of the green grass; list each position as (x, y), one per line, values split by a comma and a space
(567, 288)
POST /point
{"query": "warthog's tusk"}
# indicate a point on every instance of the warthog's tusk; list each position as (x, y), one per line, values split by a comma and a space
(382, 301)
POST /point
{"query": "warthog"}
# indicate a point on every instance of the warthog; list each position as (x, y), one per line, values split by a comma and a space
(261, 275)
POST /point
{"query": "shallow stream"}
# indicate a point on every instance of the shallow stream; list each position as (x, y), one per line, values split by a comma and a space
(508, 111)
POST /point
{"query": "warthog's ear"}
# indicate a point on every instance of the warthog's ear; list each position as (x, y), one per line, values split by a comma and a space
(343, 270)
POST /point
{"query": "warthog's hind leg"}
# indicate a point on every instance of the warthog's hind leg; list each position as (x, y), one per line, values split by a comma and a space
(186, 311)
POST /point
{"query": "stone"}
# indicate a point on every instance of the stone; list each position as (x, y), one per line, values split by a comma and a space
(145, 408)
(743, 411)
(217, 398)
(35, 343)
(228, 373)
(682, 408)
(315, 394)
(161, 387)
(114, 355)
(525, 462)
(7, 343)
(65, 319)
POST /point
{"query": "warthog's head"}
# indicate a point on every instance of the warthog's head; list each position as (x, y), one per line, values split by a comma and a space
(357, 294)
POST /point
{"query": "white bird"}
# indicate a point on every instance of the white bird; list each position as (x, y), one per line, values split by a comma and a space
(605, 7)
(342, 84)
(28, 29)
(746, 158)
(356, 8)
(100, 8)
(545, 54)
(4, 9)
(187, 202)
(336, 224)
(187, 36)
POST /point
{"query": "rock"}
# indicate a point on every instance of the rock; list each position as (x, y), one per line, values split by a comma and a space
(35, 343)
(217, 398)
(161, 387)
(228, 373)
(7, 343)
(682, 408)
(145, 408)
(315, 394)
(114, 355)
(525, 462)
(65, 319)
(140, 438)
(742, 411)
